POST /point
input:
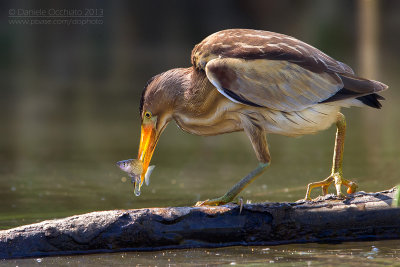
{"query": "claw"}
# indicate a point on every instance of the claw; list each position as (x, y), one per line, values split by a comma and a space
(212, 202)
(200, 203)
(241, 205)
(339, 181)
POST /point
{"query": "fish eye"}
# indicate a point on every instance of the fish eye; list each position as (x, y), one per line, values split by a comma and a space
(147, 114)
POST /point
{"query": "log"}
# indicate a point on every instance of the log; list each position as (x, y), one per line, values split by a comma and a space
(361, 216)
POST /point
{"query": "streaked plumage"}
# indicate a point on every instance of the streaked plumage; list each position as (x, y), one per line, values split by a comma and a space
(256, 81)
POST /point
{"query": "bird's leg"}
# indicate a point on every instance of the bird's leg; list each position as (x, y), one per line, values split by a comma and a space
(337, 172)
(236, 189)
(259, 141)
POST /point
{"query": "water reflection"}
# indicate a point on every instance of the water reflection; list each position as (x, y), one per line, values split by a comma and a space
(346, 254)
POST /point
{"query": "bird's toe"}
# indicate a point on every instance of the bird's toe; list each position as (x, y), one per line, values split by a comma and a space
(200, 203)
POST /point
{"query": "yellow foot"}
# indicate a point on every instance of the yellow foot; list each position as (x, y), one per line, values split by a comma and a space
(339, 181)
(214, 202)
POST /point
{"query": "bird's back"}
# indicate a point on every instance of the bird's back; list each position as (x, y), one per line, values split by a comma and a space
(257, 44)
(257, 49)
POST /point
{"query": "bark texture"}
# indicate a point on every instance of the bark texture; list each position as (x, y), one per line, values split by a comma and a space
(328, 219)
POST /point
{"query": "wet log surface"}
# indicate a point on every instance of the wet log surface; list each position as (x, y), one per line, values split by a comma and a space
(360, 217)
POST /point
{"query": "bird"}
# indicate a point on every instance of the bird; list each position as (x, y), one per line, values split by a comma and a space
(261, 83)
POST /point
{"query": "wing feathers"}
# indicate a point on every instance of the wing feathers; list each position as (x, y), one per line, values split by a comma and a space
(279, 85)
(361, 89)
(254, 44)
(273, 70)
(362, 86)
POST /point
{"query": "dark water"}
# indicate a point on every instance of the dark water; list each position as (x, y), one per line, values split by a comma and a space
(382, 253)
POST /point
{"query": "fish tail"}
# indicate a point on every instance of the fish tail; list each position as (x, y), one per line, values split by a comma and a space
(148, 173)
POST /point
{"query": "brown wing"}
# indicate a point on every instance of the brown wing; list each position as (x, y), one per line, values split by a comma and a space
(276, 84)
(256, 44)
(272, 70)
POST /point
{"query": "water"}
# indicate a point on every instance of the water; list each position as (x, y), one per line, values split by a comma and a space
(43, 187)
(75, 174)
(72, 172)
(345, 254)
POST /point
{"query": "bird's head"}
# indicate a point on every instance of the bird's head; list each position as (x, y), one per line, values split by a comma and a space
(157, 107)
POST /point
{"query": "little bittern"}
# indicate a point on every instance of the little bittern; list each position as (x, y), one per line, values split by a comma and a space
(258, 82)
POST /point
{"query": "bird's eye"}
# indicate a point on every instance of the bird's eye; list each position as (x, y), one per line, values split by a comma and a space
(147, 114)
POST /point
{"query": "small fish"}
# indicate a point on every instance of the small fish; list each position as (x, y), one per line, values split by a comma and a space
(134, 168)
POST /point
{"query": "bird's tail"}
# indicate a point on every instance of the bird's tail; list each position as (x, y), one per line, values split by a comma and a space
(356, 88)
(371, 100)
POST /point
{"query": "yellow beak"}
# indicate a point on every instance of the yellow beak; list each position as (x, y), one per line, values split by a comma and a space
(148, 142)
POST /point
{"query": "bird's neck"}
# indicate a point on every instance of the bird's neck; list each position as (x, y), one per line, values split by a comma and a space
(199, 106)
(197, 94)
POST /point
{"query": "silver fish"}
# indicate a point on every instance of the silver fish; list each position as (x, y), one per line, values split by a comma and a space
(134, 168)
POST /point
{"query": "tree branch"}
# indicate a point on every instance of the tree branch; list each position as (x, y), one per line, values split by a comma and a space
(361, 216)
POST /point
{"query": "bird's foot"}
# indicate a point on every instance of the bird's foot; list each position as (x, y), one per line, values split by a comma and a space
(214, 202)
(338, 179)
